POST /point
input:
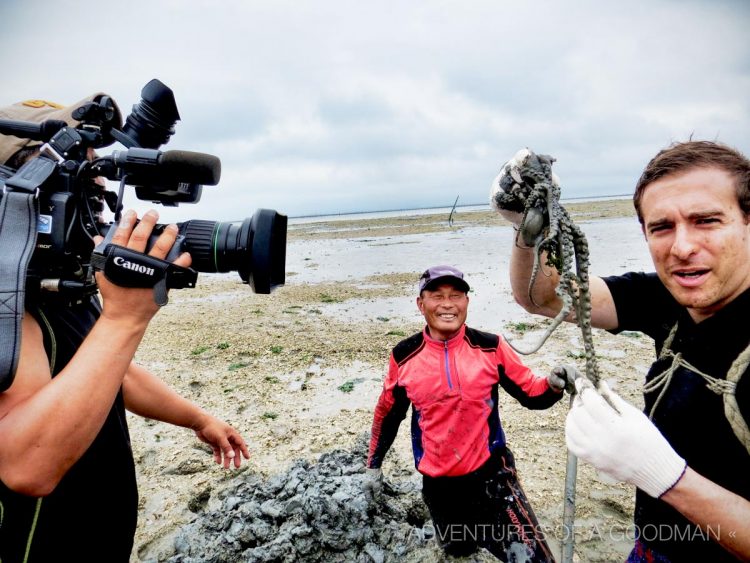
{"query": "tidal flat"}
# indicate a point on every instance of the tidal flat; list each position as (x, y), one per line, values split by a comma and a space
(298, 372)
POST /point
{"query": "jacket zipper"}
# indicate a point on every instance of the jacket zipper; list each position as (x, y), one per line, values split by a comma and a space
(447, 365)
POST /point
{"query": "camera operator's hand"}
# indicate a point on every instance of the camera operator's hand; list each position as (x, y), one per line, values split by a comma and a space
(148, 396)
(225, 441)
(137, 304)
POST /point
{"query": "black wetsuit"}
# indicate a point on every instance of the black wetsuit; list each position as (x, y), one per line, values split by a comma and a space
(91, 514)
(689, 415)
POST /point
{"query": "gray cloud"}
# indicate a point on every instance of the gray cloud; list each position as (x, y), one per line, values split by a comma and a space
(339, 106)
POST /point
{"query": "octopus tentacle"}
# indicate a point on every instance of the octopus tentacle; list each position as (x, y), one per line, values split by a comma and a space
(547, 225)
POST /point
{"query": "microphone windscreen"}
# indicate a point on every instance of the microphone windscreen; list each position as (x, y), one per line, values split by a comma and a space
(192, 167)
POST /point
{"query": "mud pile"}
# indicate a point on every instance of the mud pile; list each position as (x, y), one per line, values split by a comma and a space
(313, 512)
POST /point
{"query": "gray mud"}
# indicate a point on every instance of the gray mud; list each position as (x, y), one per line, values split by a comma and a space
(312, 512)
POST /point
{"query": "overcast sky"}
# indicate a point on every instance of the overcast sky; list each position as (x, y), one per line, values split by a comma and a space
(337, 106)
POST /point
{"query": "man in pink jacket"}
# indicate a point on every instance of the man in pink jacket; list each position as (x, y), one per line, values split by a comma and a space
(450, 374)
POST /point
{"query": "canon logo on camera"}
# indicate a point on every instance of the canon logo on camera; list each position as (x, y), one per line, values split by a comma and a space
(140, 268)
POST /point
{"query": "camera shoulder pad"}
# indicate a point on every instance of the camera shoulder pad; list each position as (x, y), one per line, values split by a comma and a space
(129, 268)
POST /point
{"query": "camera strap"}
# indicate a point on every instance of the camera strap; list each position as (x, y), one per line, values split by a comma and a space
(19, 214)
(129, 268)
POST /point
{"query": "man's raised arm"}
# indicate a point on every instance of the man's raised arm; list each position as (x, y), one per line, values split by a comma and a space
(541, 298)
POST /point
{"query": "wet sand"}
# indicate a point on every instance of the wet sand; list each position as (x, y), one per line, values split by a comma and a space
(298, 372)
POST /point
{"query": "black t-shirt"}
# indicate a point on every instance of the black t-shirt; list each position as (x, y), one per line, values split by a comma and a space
(91, 515)
(689, 415)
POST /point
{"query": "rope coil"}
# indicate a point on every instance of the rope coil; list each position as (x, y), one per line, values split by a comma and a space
(725, 387)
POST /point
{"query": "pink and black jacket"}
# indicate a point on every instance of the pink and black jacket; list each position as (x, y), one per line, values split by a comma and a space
(452, 386)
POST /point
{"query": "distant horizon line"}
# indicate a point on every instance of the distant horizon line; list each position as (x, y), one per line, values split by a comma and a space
(394, 210)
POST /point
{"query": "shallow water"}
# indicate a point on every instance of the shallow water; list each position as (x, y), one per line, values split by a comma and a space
(482, 253)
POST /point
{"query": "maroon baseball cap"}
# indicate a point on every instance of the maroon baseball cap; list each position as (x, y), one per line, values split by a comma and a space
(442, 274)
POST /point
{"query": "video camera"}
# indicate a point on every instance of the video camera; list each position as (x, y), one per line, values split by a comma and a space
(62, 176)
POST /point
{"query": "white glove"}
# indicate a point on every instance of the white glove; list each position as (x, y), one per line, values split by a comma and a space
(563, 377)
(373, 483)
(625, 445)
(509, 174)
(510, 177)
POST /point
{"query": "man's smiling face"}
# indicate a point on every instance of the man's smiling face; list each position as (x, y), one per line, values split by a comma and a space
(444, 308)
(698, 237)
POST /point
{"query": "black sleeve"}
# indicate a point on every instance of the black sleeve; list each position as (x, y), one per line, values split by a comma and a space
(643, 304)
(534, 402)
(385, 425)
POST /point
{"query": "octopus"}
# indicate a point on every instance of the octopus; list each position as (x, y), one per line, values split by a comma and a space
(527, 185)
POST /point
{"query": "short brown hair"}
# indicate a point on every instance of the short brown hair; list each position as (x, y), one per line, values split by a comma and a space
(20, 157)
(680, 157)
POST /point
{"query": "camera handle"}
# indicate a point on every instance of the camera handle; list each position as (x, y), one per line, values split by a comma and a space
(19, 215)
(130, 268)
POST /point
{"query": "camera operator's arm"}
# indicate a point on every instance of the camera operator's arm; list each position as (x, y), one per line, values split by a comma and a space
(148, 396)
(46, 424)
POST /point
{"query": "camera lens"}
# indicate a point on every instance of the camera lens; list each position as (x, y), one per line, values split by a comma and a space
(255, 248)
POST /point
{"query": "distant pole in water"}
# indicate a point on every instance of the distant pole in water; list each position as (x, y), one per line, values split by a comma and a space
(453, 209)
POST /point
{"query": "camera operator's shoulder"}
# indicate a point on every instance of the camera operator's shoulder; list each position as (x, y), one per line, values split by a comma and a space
(33, 370)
